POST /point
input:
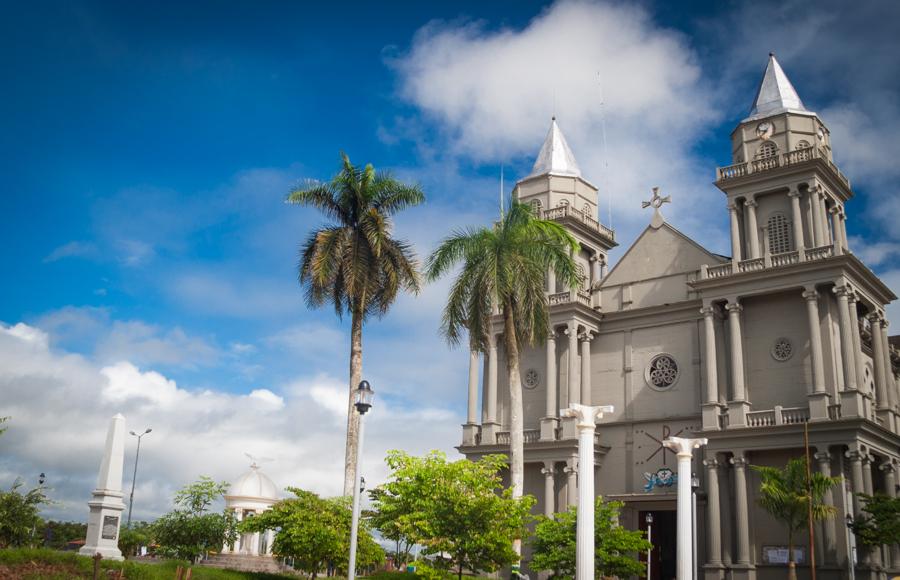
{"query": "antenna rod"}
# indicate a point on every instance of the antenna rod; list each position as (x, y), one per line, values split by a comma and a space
(605, 179)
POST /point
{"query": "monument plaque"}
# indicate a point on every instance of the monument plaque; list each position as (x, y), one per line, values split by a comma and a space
(110, 527)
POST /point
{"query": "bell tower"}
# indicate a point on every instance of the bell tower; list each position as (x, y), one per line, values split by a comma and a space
(785, 194)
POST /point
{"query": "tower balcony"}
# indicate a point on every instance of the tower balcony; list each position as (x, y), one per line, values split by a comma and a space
(808, 156)
(768, 261)
(566, 215)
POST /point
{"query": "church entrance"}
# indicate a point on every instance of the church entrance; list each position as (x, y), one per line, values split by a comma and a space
(662, 536)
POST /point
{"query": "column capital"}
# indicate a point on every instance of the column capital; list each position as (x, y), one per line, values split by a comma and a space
(712, 463)
(794, 191)
(593, 257)
(888, 467)
(734, 307)
(571, 467)
(732, 207)
(684, 446)
(834, 210)
(854, 455)
(842, 291)
(874, 317)
(586, 336)
(739, 461)
(587, 416)
(867, 458)
(823, 456)
(811, 295)
(551, 334)
(751, 203)
(549, 469)
(708, 311)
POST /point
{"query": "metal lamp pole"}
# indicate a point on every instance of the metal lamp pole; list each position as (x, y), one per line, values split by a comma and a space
(134, 477)
(851, 549)
(364, 396)
(649, 519)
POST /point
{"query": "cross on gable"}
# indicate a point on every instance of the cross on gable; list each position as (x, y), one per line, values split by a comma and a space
(656, 202)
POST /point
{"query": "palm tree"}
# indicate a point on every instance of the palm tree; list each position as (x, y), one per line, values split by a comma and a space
(506, 266)
(353, 263)
(787, 495)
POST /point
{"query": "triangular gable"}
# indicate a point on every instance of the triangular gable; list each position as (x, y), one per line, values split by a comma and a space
(658, 252)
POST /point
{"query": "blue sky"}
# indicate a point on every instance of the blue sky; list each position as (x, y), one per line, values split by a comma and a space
(148, 150)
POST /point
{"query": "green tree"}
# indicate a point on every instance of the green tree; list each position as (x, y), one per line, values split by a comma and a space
(57, 535)
(616, 548)
(787, 495)
(132, 538)
(879, 524)
(354, 263)
(3, 427)
(505, 265)
(458, 509)
(190, 530)
(19, 517)
(315, 532)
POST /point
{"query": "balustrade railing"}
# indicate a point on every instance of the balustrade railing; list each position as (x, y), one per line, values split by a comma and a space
(720, 271)
(761, 418)
(559, 298)
(785, 159)
(786, 258)
(819, 253)
(834, 411)
(794, 415)
(584, 297)
(770, 261)
(753, 265)
(565, 211)
(529, 435)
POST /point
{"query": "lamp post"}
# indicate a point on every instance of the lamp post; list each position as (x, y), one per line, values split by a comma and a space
(649, 519)
(695, 485)
(851, 549)
(364, 396)
(684, 451)
(41, 479)
(137, 457)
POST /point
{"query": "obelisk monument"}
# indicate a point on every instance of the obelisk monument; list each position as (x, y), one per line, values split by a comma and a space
(107, 505)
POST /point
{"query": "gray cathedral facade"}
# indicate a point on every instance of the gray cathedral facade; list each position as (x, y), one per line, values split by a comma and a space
(787, 333)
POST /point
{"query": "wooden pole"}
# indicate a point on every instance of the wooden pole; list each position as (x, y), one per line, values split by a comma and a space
(97, 558)
(809, 500)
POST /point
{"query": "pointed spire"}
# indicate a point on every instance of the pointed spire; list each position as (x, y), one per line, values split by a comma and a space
(776, 94)
(555, 156)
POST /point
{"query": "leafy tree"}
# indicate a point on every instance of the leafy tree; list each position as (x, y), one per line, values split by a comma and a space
(787, 495)
(189, 531)
(388, 520)
(315, 532)
(132, 538)
(19, 517)
(505, 265)
(879, 524)
(615, 552)
(2, 427)
(353, 263)
(57, 535)
(457, 509)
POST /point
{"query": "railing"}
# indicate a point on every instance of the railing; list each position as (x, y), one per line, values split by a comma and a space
(819, 253)
(530, 436)
(559, 298)
(720, 271)
(584, 297)
(794, 415)
(785, 259)
(761, 418)
(565, 211)
(723, 421)
(778, 416)
(753, 265)
(834, 411)
(784, 160)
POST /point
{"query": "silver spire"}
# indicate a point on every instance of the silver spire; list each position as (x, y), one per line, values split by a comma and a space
(776, 94)
(555, 157)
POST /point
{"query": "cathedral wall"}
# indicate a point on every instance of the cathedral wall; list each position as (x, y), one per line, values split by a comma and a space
(770, 381)
(681, 399)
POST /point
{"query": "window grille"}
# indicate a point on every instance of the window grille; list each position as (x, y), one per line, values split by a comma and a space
(767, 150)
(803, 145)
(779, 234)
(536, 207)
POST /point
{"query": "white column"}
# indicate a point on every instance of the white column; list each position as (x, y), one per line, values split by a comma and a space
(549, 472)
(492, 380)
(586, 417)
(815, 340)
(551, 282)
(572, 333)
(684, 450)
(735, 233)
(586, 367)
(603, 267)
(571, 470)
(878, 359)
(595, 270)
(752, 228)
(797, 222)
(843, 223)
(713, 516)
(839, 243)
(816, 200)
(828, 526)
(891, 383)
(472, 415)
(846, 323)
(860, 365)
(712, 376)
(552, 405)
(737, 350)
(741, 509)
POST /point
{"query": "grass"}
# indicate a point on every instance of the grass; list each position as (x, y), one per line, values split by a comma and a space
(46, 564)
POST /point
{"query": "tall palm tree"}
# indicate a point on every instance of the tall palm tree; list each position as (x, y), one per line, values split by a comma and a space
(505, 265)
(791, 495)
(353, 263)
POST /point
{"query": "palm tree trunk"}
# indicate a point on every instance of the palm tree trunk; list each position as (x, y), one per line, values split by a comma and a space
(516, 422)
(352, 415)
(792, 566)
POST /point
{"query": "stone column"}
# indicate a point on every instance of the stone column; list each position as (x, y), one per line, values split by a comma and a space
(726, 502)
(572, 333)
(571, 470)
(893, 394)
(603, 266)
(738, 406)
(856, 477)
(839, 242)
(852, 404)
(859, 365)
(890, 489)
(713, 516)
(490, 427)
(684, 451)
(828, 526)
(585, 338)
(741, 509)
(551, 282)
(711, 402)
(878, 358)
(874, 554)
(752, 228)
(586, 418)
(549, 472)
(550, 422)
(818, 221)
(797, 222)
(818, 402)
(595, 270)
(470, 429)
(843, 222)
(735, 234)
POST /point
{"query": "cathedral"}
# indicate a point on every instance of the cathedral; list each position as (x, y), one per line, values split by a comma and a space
(747, 350)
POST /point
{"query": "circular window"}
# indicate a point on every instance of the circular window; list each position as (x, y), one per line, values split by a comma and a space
(783, 349)
(662, 372)
(532, 379)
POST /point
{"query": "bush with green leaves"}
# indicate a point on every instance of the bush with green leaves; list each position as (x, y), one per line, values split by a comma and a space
(19, 515)
(879, 522)
(189, 531)
(616, 548)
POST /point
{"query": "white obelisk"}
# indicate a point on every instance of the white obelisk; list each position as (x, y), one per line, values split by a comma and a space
(107, 505)
(684, 450)
(584, 528)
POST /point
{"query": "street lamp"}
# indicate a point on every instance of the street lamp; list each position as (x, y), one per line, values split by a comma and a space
(134, 477)
(364, 396)
(649, 519)
(695, 485)
(851, 549)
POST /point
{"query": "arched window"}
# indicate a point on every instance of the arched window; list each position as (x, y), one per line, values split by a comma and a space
(803, 145)
(536, 207)
(779, 234)
(767, 150)
(586, 210)
(582, 276)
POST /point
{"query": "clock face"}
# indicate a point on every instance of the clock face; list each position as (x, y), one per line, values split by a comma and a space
(764, 130)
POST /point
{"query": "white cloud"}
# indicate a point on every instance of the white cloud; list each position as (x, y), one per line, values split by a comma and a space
(61, 403)
(74, 249)
(149, 344)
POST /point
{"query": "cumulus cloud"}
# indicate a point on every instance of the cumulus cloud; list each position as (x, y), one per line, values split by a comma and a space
(74, 249)
(61, 403)
(629, 95)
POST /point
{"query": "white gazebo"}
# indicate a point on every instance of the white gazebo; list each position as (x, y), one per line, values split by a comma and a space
(249, 495)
